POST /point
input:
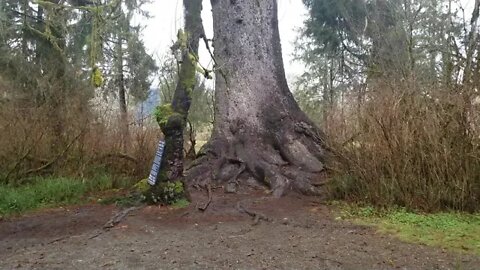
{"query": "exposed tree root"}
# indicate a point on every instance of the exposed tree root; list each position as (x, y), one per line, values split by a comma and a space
(59, 239)
(117, 218)
(209, 194)
(114, 221)
(283, 162)
(257, 217)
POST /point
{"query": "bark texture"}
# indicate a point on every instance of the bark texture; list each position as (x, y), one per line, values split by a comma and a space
(122, 100)
(260, 134)
(172, 117)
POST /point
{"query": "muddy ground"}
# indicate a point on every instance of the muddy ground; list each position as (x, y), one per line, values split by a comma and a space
(301, 233)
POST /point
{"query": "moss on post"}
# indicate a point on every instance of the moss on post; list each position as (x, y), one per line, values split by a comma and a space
(167, 118)
(166, 193)
(97, 77)
(162, 113)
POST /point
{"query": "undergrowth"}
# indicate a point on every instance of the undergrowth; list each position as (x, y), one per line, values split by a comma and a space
(450, 230)
(50, 192)
(408, 147)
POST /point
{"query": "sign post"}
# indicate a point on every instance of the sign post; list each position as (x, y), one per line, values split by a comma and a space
(152, 179)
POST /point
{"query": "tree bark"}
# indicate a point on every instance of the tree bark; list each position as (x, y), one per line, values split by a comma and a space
(471, 44)
(173, 118)
(259, 130)
(120, 83)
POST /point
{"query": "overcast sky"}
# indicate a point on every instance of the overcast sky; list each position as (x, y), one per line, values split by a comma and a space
(161, 29)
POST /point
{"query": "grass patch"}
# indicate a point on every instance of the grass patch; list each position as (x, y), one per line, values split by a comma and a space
(126, 200)
(452, 231)
(49, 192)
(181, 203)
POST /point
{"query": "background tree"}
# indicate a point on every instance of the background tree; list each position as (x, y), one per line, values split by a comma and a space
(54, 54)
(402, 118)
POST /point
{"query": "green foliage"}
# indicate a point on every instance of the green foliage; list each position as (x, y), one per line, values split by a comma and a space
(141, 186)
(169, 193)
(97, 77)
(382, 80)
(450, 230)
(162, 114)
(166, 193)
(130, 200)
(182, 39)
(200, 114)
(140, 66)
(333, 23)
(48, 192)
(181, 203)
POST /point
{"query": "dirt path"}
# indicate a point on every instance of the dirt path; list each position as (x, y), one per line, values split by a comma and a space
(301, 234)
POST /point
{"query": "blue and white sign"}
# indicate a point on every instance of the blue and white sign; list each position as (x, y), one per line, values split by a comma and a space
(156, 163)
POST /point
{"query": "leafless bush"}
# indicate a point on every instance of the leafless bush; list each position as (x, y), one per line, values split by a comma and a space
(79, 143)
(408, 147)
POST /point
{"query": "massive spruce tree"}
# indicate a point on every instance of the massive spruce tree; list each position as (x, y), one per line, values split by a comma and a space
(259, 133)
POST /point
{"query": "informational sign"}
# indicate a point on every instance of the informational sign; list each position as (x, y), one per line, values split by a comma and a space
(156, 163)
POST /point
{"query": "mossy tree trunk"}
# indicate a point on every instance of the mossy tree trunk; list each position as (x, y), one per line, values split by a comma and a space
(260, 134)
(172, 117)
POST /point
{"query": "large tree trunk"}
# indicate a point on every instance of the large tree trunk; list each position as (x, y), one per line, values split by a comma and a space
(259, 131)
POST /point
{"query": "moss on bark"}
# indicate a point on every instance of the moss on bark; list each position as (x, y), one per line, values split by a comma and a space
(168, 192)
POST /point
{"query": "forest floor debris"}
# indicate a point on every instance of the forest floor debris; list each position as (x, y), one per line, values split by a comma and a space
(301, 234)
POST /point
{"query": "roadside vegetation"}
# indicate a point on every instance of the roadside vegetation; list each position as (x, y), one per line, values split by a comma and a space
(395, 86)
(454, 231)
(53, 192)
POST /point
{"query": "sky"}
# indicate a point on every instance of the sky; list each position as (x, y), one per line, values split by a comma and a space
(166, 18)
(161, 29)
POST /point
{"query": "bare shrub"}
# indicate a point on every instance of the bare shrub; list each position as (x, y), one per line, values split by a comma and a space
(408, 147)
(90, 143)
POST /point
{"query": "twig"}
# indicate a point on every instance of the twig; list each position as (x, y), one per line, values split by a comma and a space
(118, 155)
(97, 234)
(25, 156)
(119, 217)
(58, 239)
(204, 38)
(45, 166)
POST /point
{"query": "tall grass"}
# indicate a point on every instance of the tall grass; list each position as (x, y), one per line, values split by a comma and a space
(48, 192)
(451, 230)
(417, 149)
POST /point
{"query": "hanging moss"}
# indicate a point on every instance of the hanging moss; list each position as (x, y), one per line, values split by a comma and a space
(97, 77)
(182, 39)
(168, 119)
(188, 77)
(162, 113)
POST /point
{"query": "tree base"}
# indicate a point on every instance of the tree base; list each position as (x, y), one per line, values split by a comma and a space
(290, 162)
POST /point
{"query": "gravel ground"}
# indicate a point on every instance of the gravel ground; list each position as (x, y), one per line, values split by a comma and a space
(300, 233)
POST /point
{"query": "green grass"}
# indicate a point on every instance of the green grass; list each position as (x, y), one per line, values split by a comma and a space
(48, 192)
(452, 231)
(182, 203)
